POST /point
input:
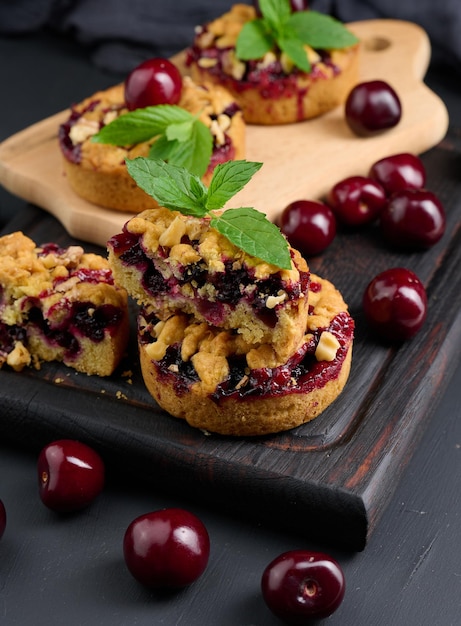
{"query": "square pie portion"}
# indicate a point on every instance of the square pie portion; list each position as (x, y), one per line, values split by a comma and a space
(59, 304)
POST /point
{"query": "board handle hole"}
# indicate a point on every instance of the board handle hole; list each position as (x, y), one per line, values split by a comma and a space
(377, 44)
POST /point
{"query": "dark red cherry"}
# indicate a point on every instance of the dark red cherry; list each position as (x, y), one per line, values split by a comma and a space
(309, 226)
(2, 518)
(372, 107)
(300, 585)
(70, 475)
(299, 5)
(296, 5)
(413, 219)
(399, 171)
(155, 81)
(357, 200)
(169, 548)
(395, 304)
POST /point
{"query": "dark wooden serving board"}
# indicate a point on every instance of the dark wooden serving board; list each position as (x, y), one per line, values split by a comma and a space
(329, 480)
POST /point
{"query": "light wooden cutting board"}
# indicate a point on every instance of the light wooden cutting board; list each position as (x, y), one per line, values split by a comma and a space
(301, 161)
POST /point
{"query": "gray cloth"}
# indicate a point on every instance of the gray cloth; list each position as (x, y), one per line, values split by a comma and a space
(122, 33)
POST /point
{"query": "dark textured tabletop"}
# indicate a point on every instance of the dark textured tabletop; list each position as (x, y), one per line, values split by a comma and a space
(58, 571)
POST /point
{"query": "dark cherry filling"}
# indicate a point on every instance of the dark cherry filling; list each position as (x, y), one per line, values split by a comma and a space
(222, 153)
(271, 80)
(82, 319)
(230, 285)
(73, 152)
(88, 275)
(50, 248)
(301, 374)
(9, 335)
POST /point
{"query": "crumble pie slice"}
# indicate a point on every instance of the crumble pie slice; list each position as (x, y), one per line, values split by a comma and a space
(59, 304)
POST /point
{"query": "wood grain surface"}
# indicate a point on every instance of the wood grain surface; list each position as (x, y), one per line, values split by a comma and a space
(330, 479)
(300, 160)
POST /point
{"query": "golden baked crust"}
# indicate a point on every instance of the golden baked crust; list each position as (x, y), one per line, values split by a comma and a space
(97, 171)
(196, 379)
(177, 263)
(59, 304)
(293, 97)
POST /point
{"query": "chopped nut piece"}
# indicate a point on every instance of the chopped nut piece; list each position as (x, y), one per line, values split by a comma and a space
(218, 132)
(82, 130)
(173, 234)
(19, 357)
(207, 62)
(327, 347)
(272, 301)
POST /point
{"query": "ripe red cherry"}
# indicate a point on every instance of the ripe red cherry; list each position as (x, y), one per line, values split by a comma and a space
(70, 475)
(372, 107)
(399, 171)
(413, 219)
(296, 5)
(357, 200)
(169, 548)
(2, 518)
(308, 225)
(395, 304)
(299, 585)
(299, 5)
(155, 81)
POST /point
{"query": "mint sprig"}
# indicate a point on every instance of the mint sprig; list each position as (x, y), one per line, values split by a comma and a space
(280, 27)
(180, 137)
(178, 189)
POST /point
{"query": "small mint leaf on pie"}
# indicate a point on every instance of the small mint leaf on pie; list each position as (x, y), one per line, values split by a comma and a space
(171, 186)
(191, 139)
(290, 32)
(320, 31)
(252, 232)
(228, 179)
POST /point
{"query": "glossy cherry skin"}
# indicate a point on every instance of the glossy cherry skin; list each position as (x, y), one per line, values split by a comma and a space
(2, 518)
(300, 585)
(372, 107)
(70, 475)
(296, 5)
(155, 81)
(166, 549)
(413, 219)
(395, 304)
(309, 226)
(357, 200)
(399, 171)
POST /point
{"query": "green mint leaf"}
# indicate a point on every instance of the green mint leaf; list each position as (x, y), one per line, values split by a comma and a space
(290, 31)
(171, 186)
(181, 138)
(181, 131)
(295, 50)
(141, 125)
(321, 31)
(275, 12)
(253, 41)
(193, 154)
(253, 233)
(228, 179)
